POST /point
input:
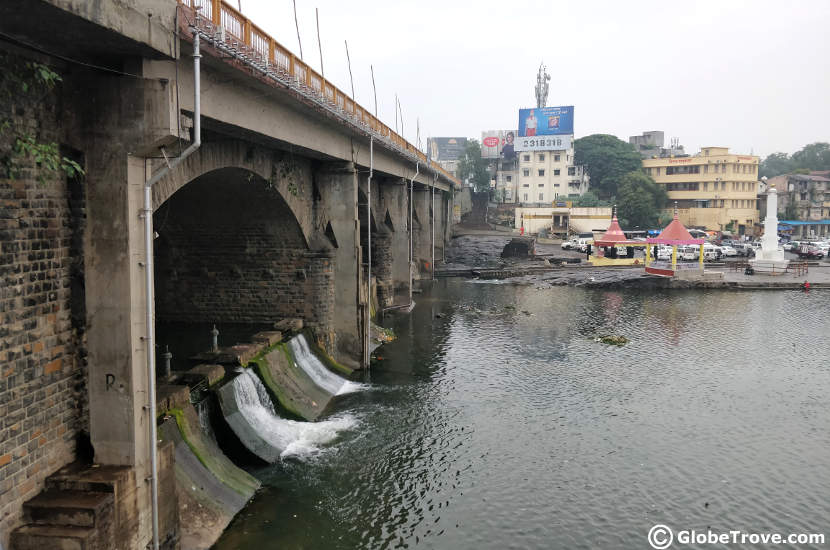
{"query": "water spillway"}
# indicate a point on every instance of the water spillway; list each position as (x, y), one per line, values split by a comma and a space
(317, 371)
(249, 411)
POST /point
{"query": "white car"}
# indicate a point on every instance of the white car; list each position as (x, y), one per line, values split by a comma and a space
(664, 253)
(728, 251)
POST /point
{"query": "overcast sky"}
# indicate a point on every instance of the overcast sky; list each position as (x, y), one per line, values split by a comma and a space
(750, 75)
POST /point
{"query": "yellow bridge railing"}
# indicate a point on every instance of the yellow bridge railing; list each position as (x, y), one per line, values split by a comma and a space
(217, 16)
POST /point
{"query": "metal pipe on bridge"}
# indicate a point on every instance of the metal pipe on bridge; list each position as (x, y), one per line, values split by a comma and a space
(411, 228)
(147, 214)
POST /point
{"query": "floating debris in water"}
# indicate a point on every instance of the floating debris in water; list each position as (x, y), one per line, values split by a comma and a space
(612, 340)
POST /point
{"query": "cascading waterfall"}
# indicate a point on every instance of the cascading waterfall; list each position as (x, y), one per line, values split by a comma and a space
(289, 437)
(203, 411)
(323, 377)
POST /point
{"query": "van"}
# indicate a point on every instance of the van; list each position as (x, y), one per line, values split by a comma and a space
(688, 253)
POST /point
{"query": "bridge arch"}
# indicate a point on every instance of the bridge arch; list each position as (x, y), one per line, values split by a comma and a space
(229, 249)
(286, 174)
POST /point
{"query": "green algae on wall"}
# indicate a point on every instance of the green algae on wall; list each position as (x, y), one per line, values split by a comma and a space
(288, 384)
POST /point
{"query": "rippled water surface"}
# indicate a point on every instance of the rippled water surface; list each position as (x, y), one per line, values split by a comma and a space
(501, 423)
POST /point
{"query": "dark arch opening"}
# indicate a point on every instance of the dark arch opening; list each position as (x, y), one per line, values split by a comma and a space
(228, 251)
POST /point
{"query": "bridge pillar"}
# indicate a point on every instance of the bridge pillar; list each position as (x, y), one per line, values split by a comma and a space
(423, 232)
(390, 202)
(337, 185)
(115, 113)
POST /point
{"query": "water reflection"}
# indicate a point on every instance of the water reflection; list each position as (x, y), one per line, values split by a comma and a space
(501, 423)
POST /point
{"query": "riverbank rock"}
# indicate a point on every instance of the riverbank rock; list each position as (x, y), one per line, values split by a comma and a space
(519, 247)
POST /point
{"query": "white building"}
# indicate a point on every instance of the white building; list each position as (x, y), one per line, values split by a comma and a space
(547, 176)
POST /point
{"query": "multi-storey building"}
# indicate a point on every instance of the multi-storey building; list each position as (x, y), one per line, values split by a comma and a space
(803, 202)
(714, 190)
(650, 144)
(546, 176)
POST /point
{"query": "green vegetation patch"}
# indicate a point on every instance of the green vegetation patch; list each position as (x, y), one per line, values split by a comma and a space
(213, 459)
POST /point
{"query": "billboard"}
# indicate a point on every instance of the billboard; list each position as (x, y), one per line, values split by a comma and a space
(498, 144)
(544, 143)
(447, 148)
(546, 121)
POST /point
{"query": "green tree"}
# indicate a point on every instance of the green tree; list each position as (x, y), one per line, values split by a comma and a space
(639, 201)
(607, 159)
(775, 165)
(471, 166)
(588, 200)
(815, 156)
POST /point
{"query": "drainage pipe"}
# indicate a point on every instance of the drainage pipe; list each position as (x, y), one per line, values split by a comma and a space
(147, 214)
(411, 227)
(367, 352)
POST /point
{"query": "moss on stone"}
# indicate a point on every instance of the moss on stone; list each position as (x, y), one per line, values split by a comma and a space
(325, 358)
(275, 391)
(224, 470)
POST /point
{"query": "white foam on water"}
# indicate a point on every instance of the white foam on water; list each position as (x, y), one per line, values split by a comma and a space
(317, 371)
(290, 437)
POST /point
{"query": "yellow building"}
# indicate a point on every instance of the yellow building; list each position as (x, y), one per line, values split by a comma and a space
(713, 188)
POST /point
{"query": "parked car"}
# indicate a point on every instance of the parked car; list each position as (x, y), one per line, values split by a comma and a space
(729, 251)
(807, 252)
(742, 249)
(688, 253)
(664, 253)
(570, 244)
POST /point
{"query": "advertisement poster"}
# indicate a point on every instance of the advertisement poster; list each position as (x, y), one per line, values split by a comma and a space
(447, 148)
(547, 121)
(498, 144)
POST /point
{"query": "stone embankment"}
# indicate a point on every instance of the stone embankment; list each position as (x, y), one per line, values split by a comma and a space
(478, 255)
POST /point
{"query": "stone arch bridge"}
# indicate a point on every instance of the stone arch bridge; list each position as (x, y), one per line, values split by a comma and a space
(267, 219)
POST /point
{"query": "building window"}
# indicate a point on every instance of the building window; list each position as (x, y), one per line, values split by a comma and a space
(541, 173)
(525, 197)
(556, 158)
(526, 172)
(556, 185)
(541, 157)
(556, 172)
(526, 158)
(658, 170)
(571, 170)
(541, 197)
(525, 185)
(541, 185)
(705, 186)
(509, 178)
(706, 169)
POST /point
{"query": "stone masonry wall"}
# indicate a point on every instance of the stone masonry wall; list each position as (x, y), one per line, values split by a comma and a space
(42, 369)
(229, 250)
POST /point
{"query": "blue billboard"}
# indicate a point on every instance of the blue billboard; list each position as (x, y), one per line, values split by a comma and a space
(547, 121)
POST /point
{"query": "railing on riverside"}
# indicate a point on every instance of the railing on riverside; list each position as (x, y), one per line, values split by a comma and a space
(796, 268)
(221, 22)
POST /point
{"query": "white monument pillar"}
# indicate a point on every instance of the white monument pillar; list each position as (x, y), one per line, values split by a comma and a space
(770, 255)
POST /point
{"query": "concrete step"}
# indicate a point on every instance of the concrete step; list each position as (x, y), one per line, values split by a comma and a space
(52, 537)
(99, 479)
(68, 508)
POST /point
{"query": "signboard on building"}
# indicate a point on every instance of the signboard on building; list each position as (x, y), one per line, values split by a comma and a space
(547, 121)
(498, 144)
(447, 148)
(544, 143)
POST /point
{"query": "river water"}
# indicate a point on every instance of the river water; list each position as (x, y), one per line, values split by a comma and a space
(497, 421)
